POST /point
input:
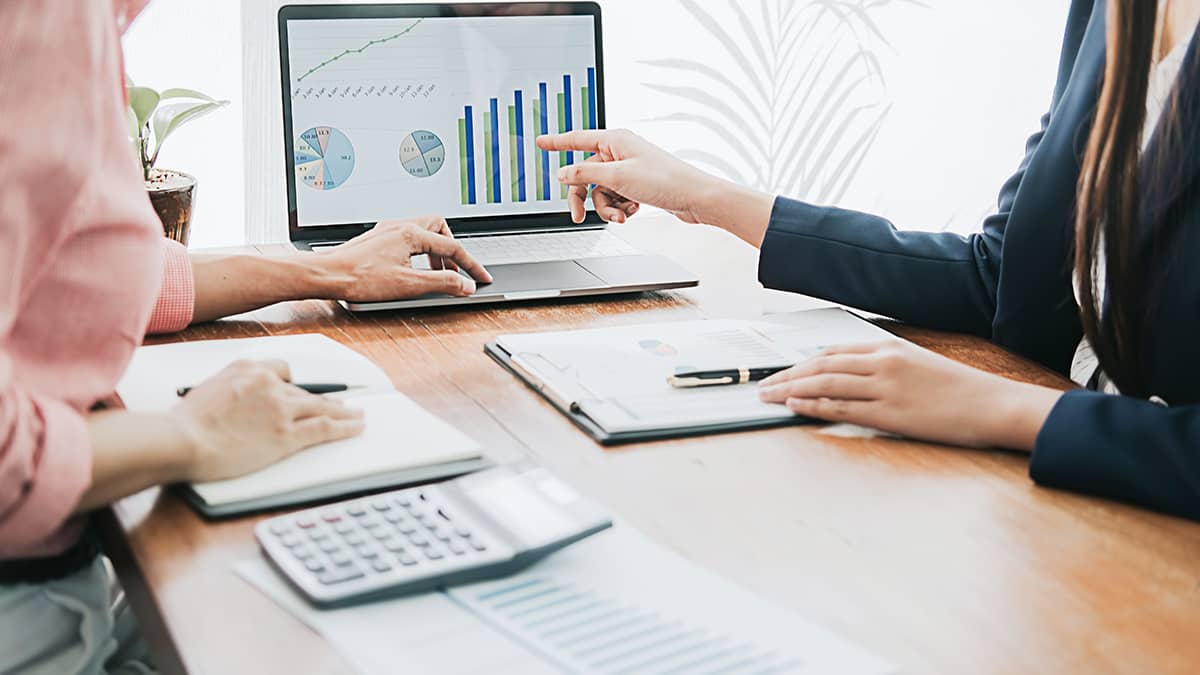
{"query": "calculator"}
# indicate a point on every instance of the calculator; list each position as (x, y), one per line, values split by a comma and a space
(481, 526)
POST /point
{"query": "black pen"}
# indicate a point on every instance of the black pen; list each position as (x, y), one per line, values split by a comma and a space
(717, 378)
(319, 389)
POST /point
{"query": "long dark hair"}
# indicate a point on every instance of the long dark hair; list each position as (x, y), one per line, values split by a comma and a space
(1109, 212)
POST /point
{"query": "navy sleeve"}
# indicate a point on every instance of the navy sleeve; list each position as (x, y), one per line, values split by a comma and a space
(1122, 448)
(935, 279)
(938, 280)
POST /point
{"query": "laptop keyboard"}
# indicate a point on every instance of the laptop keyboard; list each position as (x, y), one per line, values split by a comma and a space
(535, 248)
(547, 247)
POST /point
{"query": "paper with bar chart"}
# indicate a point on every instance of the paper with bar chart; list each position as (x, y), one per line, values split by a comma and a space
(436, 115)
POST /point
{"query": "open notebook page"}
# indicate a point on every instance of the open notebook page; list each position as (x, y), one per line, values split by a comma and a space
(399, 434)
(155, 373)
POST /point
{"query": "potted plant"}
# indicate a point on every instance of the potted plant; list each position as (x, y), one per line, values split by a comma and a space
(153, 117)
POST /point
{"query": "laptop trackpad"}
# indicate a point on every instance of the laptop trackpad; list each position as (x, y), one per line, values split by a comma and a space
(528, 278)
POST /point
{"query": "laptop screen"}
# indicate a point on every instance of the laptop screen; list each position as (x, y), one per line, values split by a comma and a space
(397, 116)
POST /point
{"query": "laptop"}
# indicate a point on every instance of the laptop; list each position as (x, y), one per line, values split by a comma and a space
(398, 110)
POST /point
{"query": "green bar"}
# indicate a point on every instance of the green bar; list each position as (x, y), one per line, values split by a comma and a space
(462, 158)
(586, 98)
(512, 153)
(537, 157)
(562, 129)
(487, 154)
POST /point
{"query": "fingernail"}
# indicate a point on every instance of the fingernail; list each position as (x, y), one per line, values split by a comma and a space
(562, 175)
(469, 286)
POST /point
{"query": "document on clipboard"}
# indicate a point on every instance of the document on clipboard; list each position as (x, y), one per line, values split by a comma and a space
(614, 382)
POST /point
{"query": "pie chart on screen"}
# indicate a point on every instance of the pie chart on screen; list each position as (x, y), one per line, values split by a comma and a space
(422, 154)
(324, 158)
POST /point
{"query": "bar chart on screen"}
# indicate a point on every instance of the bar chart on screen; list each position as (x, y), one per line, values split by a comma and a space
(509, 129)
(413, 95)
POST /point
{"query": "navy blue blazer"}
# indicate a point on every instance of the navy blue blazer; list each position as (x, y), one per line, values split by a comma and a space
(1011, 282)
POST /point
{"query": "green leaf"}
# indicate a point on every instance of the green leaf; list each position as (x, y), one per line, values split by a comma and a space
(170, 117)
(186, 93)
(143, 101)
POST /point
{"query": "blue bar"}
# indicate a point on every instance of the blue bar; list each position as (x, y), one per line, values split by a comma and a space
(496, 149)
(520, 103)
(567, 112)
(592, 99)
(545, 130)
(468, 114)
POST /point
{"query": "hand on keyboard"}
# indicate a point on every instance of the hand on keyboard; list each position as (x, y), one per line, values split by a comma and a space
(378, 265)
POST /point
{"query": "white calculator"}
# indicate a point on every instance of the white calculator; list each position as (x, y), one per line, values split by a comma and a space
(481, 526)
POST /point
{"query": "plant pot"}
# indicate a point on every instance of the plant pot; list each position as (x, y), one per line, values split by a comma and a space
(172, 193)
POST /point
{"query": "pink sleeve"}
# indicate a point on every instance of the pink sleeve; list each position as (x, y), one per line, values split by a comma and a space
(45, 467)
(45, 447)
(177, 297)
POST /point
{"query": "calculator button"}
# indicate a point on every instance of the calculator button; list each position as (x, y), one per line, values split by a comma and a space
(367, 552)
(280, 529)
(357, 510)
(306, 523)
(344, 527)
(443, 533)
(330, 546)
(407, 560)
(418, 539)
(341, 558)
(382, 534)
(478, 545)
(462, 532)
(319, 535)
(433, 554)
(403, 500)
(395, 517)
(355, 539)
(303, 552)
(456, 547)
(425, 519)
(394, 545)
(291, 540)
(315, 566)
(381, 505)
(331, 516)
(381, 566)
(406, 528)
(331, 577)
(373, 524)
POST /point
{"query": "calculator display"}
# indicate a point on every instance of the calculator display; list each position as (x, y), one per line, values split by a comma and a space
(524, 509)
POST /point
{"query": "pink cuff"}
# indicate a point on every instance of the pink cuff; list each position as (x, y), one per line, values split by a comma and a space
(177, 297)
(40, 523)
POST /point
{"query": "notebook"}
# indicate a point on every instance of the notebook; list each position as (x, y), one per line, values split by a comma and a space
(612, 382)
(403, 443)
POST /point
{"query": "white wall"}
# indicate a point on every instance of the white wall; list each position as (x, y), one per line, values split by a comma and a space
(963, 82)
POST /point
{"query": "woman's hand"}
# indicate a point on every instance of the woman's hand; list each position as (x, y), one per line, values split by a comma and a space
(900, 388)
(377, 266)
(248, 417)
(628, 171)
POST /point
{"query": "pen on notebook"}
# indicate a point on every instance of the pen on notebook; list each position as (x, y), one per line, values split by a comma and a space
(727, 376)
(319, 389)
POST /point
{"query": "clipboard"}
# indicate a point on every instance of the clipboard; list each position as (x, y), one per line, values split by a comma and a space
(607, 438)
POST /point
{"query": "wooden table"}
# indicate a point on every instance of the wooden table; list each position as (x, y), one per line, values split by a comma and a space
(938, 559)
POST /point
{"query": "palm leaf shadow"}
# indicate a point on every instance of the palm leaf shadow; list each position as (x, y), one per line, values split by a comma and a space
(802, 104)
